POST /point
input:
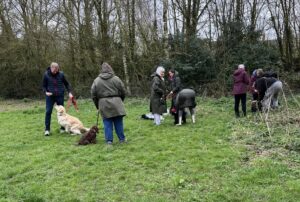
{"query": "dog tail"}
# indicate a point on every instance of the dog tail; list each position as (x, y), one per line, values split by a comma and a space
(84, 130)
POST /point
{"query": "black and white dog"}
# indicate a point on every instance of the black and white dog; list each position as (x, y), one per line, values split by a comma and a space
(186, 98)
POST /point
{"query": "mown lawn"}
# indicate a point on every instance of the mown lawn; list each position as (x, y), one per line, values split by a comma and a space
(220, 158)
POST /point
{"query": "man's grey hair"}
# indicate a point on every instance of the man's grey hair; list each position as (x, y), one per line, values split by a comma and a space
(54, 64)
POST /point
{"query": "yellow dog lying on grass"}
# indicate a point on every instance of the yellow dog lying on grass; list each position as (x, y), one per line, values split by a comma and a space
(71, 124)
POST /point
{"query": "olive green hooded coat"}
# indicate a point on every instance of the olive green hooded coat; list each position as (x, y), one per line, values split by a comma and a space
(108, 93)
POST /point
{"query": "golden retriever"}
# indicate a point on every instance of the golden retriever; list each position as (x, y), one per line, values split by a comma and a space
(71, 124)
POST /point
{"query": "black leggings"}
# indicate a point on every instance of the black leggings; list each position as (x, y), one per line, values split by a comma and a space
(237, 99)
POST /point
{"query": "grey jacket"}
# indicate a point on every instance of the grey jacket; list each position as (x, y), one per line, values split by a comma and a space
(186, 98)
(108, 93)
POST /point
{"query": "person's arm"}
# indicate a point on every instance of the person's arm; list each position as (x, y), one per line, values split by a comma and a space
(45, 85)
(67, 85)
(94, 94)
(121, 87)
(155, 87)
(122, 90)
(246, 78)
(177, 85)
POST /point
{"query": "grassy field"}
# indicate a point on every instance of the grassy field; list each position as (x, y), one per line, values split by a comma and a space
(220, 158)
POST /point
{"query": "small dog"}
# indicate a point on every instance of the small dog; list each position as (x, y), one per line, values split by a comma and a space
(89, 137)
(71, 124)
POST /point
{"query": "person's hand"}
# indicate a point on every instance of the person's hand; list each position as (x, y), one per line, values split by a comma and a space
(49, 93)
(70, 95)
(170, 95)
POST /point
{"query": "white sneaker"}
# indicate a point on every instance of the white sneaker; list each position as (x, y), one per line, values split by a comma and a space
(47, 133)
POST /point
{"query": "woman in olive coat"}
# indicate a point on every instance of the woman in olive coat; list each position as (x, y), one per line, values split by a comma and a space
(108, 93)
(158, 95)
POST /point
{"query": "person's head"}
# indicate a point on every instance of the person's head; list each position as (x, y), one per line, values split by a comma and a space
(171, 73)
(259, 72)
(160, 71)
(241, 66)
(106, 68)
(54, 67)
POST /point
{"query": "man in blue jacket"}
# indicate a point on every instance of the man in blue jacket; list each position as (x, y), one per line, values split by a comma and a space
(54, 82)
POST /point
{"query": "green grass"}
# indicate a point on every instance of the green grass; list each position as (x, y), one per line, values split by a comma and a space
(219, 158)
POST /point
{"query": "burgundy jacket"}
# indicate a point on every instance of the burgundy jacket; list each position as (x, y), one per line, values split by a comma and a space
(241, 81)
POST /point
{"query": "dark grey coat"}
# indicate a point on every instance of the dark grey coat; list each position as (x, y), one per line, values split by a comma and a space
(175, 83)
(108, 91)
(158, 96)
(185, 98)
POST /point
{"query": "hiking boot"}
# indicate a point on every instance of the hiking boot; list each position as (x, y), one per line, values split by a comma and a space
(47, 132)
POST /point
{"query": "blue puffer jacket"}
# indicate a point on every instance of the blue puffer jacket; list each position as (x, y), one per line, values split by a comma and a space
(55, 83)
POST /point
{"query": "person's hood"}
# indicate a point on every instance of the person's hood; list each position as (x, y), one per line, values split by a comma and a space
(238, 72)
(153, 74)
(106, 76)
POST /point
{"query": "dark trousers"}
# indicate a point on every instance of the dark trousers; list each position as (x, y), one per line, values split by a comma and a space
(237, 99)
(175, 112)
(108, 128)
(50, 101)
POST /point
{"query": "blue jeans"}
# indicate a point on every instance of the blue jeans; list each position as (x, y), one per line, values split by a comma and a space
(50, 100)
(108, 128)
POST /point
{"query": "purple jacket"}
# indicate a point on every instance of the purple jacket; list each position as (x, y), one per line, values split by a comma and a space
(241, 81)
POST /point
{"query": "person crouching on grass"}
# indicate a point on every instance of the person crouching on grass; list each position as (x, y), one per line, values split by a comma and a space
(53, 87)
(158, 95)
(268, 88)
(108, 94)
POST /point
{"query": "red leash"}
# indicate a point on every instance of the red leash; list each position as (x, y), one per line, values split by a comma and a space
(73, 101)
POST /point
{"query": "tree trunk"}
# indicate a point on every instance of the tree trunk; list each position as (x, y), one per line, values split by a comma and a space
(165, 22)
(124, 45)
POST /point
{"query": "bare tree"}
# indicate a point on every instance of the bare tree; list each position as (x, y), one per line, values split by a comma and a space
(123, 37)
(165, 22)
